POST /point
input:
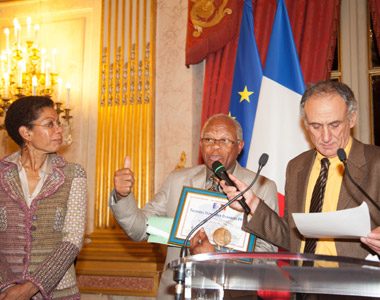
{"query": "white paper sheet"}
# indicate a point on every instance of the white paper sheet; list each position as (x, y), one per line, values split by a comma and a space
(347, 223)
(155, 231)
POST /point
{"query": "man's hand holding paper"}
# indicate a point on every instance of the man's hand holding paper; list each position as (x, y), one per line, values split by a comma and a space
(372, 240)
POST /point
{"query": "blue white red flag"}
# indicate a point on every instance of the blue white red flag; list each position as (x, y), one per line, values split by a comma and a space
(247, 79)
(277, 130)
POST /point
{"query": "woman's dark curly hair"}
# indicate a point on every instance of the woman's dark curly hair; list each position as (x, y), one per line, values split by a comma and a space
(23, 112)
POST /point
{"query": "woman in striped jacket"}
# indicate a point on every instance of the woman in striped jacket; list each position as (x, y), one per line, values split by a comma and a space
(42, 207)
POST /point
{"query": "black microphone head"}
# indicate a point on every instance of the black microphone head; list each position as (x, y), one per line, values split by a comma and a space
(263, 159)
(342, 155)
(218, 167)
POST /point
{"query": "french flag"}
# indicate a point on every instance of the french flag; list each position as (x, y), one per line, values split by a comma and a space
(246, 84)
(277, 128)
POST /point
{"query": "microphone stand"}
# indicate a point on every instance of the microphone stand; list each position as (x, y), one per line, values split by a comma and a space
(342, 157)
(179, 274)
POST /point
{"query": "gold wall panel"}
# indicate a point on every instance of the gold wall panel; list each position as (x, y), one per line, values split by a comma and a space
(125, 127)
(126, 104)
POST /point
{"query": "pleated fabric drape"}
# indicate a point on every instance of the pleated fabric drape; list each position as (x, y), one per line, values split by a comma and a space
(314, 24)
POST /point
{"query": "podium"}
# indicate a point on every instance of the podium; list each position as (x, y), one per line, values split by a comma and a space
(208, 275)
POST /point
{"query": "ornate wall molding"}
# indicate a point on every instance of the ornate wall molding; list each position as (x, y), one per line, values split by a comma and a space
(125, 127)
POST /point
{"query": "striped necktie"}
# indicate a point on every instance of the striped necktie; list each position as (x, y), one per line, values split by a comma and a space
(316, 204)
(215, 183)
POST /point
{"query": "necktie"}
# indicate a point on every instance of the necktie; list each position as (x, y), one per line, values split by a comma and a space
(215, 184)
(316, 204)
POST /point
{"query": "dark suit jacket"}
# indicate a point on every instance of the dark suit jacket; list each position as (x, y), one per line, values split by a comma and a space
(364, 166)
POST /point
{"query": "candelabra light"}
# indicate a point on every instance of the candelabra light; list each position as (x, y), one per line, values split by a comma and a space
(27, 70)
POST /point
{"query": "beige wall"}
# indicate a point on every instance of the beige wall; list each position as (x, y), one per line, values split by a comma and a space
(178, 92)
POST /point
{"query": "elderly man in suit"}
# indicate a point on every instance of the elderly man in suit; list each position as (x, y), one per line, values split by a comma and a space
(329, 110)
(221, 140)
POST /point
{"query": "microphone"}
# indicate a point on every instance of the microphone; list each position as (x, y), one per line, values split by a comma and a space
(343, 157)
(179, 275)
(221, 173)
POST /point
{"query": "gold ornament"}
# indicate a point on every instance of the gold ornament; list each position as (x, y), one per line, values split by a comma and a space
(202, 10)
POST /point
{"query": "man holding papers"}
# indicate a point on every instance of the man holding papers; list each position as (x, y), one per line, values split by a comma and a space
(221, 140)
(329, 110)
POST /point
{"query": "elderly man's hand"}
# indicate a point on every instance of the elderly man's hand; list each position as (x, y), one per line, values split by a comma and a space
(124, 179)
(200, 243)
(373, 240)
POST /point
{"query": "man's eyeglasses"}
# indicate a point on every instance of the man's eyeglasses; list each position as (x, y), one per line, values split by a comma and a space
(222, 142)
(49, 124)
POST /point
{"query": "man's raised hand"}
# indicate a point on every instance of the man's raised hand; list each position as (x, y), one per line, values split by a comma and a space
(124, 179)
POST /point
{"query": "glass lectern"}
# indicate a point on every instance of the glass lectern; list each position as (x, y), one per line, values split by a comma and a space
(208, 275)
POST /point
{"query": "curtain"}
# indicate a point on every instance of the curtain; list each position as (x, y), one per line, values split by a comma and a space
(374, 7)
(314, 24)
(218, 78)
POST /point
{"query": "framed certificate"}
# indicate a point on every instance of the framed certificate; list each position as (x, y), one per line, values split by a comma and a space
(197, 204)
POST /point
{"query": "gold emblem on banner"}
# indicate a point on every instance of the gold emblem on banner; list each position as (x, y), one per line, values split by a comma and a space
(203, 10)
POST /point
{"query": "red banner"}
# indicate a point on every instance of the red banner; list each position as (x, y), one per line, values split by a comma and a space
(211, 24)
